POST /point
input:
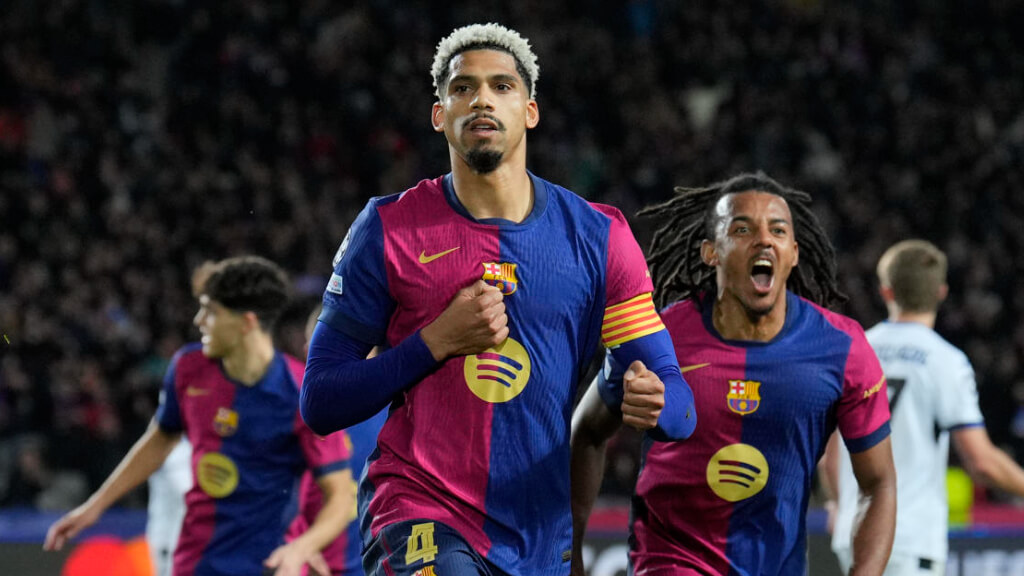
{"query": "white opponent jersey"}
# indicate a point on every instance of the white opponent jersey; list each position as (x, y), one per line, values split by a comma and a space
(931, 391)
(166, 510)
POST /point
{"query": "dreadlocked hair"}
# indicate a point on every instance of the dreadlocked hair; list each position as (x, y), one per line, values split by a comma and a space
(689, 218)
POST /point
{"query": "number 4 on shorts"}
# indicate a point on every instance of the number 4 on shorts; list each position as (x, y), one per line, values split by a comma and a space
(420, 546)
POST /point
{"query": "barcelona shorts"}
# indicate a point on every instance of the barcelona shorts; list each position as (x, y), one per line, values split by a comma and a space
(424, 548)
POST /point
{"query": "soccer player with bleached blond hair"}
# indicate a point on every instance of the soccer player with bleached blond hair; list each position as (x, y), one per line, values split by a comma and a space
(489, 290)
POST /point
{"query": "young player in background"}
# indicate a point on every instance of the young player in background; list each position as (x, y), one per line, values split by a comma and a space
(236, 398)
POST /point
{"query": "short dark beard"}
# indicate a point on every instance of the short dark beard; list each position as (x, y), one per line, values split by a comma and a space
(483, 161)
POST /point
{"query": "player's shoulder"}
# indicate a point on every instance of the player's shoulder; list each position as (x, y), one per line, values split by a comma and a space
(426, 190)
(575, 203)
(190, 356)
(836, 320)
(681, 310)
(608, 211)
(684, 320)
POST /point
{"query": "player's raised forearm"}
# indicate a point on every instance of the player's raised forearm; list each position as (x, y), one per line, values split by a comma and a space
(677, 418)
(341, 387)
(592, 425)
(873, 534)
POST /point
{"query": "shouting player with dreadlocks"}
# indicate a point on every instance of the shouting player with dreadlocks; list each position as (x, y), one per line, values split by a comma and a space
(773, 372)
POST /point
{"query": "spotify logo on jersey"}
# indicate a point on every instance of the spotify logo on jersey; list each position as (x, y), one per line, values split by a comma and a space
(217, 475)
(737, 472)
(498, 374)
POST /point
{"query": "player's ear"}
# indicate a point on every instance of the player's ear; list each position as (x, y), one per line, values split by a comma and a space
(708, 254)
(943, 292)
(437, 117)
(532, 114)
(250, 322)
(886, 293)
(796, 254)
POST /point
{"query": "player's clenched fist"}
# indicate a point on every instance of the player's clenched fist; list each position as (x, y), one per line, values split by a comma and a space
(474, 321)
(643, 397)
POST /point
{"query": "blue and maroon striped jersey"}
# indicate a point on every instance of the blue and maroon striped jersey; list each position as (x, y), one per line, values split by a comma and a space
(249, 448)
(482, 443)
(732, 498)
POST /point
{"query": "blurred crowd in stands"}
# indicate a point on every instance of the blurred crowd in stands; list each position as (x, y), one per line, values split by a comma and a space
(141, 137)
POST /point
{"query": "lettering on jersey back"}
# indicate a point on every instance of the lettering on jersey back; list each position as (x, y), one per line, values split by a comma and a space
(912, 354)
(744, 396)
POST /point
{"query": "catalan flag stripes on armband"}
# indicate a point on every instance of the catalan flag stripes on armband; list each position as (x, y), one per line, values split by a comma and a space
(630, 320)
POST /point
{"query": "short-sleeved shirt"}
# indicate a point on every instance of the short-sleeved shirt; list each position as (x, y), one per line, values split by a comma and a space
(482, 443)
(732, 498)
(249, 448)
(931, 391)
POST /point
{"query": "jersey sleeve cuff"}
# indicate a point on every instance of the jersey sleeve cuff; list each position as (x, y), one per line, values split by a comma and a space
(331, 467)
(610, 390)
(965, 425)
(861, 444)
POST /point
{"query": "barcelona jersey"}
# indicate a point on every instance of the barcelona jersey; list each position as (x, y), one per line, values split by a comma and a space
(249, 448)
(732, 498)
(481, 444)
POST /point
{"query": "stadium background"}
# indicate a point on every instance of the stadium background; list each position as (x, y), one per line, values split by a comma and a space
(141, 137)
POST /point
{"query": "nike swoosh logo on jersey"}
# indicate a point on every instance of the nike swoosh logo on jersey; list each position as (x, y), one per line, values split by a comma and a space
(424, 259)
(190, 391)
(693, 367)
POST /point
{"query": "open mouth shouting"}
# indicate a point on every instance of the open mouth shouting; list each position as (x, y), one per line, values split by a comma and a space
(762, 273)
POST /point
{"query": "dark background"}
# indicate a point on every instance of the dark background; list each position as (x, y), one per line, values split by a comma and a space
(140, 138)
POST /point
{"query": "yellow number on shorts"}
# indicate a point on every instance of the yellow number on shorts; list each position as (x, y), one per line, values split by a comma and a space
(421, 544)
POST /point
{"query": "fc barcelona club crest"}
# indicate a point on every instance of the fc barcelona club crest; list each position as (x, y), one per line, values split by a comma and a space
(502, 276)
(225, 422)
(744, 396)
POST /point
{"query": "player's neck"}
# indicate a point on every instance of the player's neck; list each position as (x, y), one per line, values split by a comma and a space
(896, 314)
(249, 361)
(505, 193)
(733, 322)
